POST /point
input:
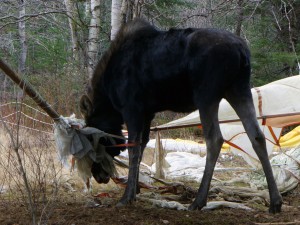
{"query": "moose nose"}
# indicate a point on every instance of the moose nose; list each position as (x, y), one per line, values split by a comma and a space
(102, 180)
(105, 180)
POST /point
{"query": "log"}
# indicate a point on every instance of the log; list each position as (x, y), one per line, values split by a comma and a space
(30, 91)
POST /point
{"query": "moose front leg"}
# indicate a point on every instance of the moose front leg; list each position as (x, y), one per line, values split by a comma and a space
(138, 125)
(130, 192)
(135, 125)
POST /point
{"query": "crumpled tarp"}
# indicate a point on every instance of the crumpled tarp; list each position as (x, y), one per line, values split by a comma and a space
(187, 166)
(286, 170)
(70, 141)
(210, 205)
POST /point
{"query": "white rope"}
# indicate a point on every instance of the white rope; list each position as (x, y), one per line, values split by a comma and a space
(4, 117)
(29, 128)
(40, 121)
(27, 116)
(24, 104)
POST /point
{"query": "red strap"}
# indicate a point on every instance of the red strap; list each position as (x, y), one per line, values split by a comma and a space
(124, 145)
(259, 101)
(235, 146)
(264, 119)
(274, 136)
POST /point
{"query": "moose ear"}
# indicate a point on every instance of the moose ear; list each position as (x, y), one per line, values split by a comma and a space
(86, 106)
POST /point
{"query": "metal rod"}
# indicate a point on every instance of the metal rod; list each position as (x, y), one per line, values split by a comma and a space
(226, 121)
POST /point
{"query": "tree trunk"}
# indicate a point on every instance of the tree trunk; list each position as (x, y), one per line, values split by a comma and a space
(94, 34)
(116, 17)
(22, 37)
(87, 8)
(131, 9)
(240, 15)
(72, 16)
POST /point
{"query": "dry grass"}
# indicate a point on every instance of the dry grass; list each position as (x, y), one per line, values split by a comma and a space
(45, 174)
(58, 196)
(49, 181)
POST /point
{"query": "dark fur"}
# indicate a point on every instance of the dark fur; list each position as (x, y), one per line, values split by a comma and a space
(146, 71)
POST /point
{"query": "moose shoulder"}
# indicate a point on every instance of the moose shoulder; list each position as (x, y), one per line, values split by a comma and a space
(146, 70)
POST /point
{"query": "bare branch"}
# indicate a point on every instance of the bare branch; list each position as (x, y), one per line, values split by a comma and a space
(191, 16)
(277, 22)
(28, 17)
(290, 32)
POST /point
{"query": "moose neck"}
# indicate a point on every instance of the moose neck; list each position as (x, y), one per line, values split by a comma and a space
(104, 116)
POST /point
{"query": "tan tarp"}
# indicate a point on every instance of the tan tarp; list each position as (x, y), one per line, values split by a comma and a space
(277, 104)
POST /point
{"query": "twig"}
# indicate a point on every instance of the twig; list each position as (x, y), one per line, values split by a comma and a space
(241, 191)
(191, 16)
(277, 22)
(22, 171)
(256, 6)
(290, 34)
(27, 17)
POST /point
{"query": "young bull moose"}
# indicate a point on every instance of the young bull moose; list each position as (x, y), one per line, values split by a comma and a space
(146, 70)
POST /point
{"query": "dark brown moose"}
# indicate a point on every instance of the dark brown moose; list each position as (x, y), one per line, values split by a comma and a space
(146, 70)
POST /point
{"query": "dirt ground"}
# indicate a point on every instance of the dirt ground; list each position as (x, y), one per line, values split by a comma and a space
(73, 209)
(70, 206)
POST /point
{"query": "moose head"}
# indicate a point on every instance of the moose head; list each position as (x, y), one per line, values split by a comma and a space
(105, 147)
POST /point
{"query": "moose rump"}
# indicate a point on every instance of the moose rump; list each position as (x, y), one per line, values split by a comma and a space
(146, 70)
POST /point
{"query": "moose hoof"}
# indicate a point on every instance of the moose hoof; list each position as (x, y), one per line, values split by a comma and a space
(197, 204)
(121, 204)
(124, 202)
(275, 208)
(194, 206)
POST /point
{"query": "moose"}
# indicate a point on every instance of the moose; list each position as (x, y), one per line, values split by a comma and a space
(147, 70)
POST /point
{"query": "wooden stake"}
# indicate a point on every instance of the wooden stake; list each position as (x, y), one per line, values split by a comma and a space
(159, 157)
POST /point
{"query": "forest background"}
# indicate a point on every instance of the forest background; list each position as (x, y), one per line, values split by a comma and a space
(55, 44)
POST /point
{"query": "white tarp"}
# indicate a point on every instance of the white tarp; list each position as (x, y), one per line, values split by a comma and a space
(179, 145)
(278, 102)
(185, 166)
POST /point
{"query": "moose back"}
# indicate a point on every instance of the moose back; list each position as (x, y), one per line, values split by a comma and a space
(147, 70)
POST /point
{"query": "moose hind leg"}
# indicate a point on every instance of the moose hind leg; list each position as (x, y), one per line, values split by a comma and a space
(244, 107)
(214, 141)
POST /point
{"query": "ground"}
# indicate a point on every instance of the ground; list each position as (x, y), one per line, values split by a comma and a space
(65, 203)
(77, 212)
(75, 208)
